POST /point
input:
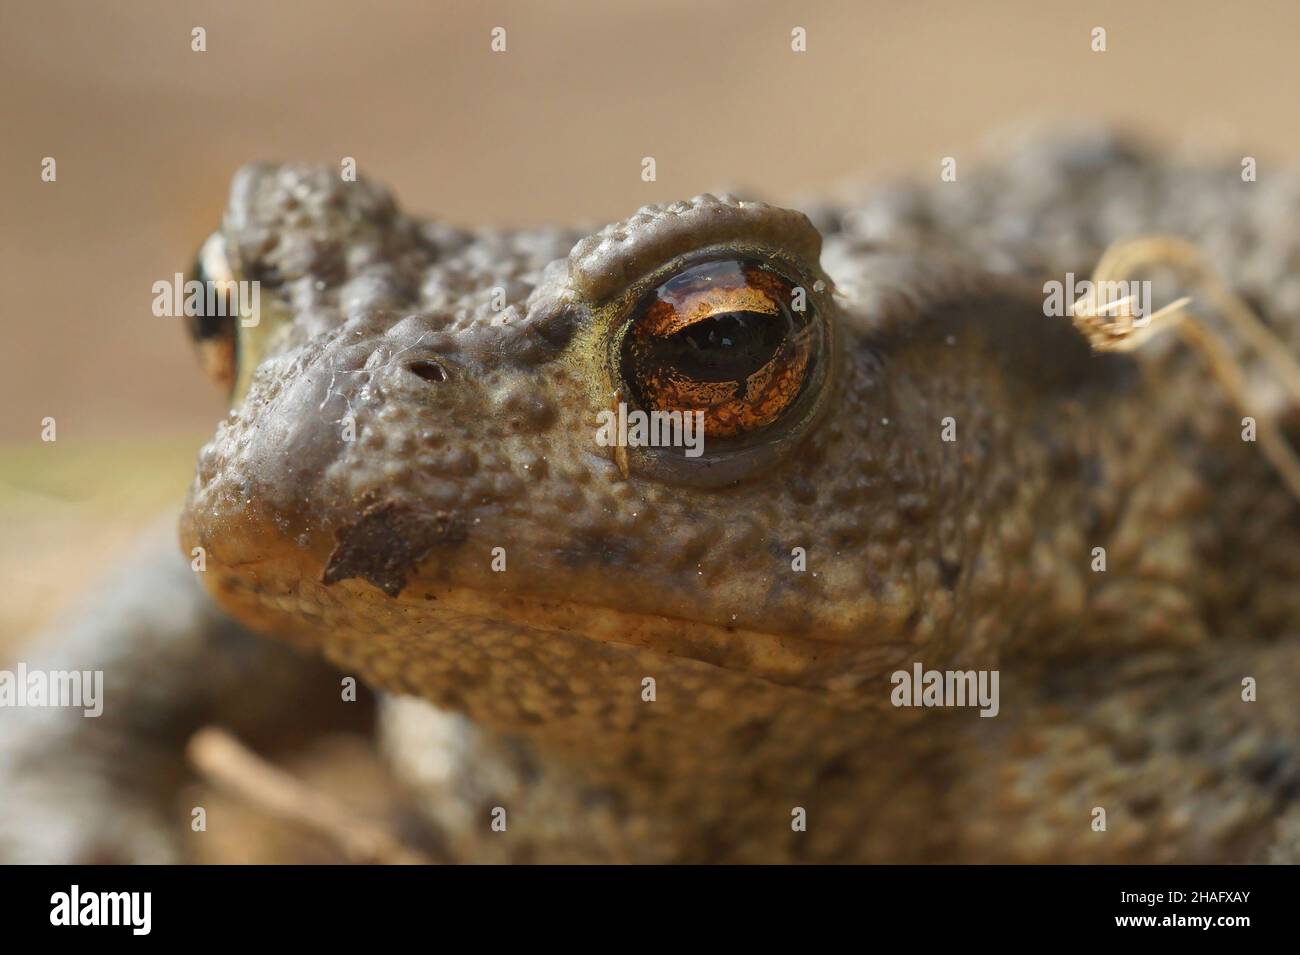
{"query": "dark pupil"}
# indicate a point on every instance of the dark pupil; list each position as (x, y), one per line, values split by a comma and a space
(203, 327)
(727, 347)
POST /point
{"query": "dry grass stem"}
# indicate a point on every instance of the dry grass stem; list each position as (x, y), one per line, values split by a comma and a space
(1114, 326)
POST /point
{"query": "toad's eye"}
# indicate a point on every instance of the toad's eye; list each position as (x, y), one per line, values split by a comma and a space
(212, 326)
(731, 338)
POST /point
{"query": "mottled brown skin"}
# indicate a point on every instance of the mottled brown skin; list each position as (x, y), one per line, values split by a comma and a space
(524, 688)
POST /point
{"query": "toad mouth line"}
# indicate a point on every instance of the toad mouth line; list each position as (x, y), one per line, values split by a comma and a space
(791, 659)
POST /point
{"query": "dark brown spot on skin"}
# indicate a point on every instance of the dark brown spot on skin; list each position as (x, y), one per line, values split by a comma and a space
(387, 542)
(1145, 804)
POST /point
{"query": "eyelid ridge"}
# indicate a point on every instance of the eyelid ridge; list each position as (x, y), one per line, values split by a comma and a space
(622, 253)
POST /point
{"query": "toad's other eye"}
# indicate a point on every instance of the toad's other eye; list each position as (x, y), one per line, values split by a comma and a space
(731, 338)
(212, 330)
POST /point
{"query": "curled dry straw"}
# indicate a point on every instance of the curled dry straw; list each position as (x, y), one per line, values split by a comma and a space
(1115, 326)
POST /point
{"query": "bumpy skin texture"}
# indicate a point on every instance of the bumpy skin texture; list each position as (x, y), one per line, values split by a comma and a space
(1119, 689)
(417, 396)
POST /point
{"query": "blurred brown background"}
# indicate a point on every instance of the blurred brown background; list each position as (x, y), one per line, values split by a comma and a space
(147, 133)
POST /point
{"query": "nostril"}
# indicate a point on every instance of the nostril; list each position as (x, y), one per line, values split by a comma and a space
(427, 369)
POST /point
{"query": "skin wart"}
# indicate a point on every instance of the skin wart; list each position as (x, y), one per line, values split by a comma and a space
(419, 403)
